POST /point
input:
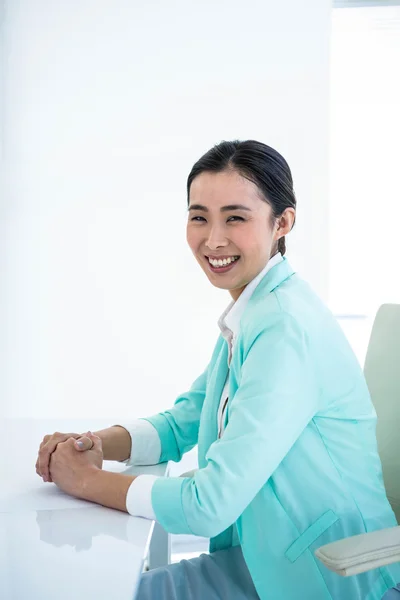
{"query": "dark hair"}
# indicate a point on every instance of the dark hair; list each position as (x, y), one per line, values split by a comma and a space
(258, 163)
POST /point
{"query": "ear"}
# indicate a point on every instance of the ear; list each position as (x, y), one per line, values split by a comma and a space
(284, 223)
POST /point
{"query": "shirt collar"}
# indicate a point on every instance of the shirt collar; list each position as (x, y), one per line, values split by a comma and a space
(230, 319)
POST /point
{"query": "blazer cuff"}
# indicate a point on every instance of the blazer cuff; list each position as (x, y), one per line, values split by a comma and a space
(145, 443)
(166, 497)
(138, 498)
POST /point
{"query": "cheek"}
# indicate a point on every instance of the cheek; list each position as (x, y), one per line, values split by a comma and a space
(192, 237)
(260, 236)
(247, 240)
(254, 244)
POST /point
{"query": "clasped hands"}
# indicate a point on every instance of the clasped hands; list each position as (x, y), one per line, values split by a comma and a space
(70, 460)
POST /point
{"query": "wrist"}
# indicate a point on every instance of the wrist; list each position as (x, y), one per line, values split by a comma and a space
(89, 477)
(106, 488)
(116, 443)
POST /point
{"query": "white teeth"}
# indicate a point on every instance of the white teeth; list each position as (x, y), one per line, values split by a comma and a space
(222, 263)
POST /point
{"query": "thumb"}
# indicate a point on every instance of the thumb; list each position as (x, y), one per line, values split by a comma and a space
(84, 443)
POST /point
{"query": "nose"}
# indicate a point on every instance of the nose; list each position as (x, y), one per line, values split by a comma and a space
(216, 239)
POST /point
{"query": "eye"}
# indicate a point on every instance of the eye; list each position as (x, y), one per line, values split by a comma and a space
(203, 219)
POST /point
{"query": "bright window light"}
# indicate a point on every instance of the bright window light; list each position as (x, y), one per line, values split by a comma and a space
(365, 159)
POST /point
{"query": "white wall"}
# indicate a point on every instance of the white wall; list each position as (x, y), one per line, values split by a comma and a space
(107, 106)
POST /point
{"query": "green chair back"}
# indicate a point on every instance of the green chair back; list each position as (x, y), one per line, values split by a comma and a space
(382, 372)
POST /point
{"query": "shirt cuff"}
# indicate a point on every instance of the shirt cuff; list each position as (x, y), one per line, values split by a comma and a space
(138, 498)
(145, 443)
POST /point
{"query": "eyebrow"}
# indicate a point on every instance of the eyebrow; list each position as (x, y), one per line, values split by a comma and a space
(222, 209)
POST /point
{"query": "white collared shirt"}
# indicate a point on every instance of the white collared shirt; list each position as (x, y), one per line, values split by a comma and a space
(146, 444)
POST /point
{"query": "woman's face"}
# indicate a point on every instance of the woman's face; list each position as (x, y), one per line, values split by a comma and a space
(228, 220)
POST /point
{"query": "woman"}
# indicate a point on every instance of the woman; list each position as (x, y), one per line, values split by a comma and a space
(282, 415)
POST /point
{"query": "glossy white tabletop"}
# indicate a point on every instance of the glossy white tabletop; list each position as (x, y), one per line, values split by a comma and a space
(53, 546)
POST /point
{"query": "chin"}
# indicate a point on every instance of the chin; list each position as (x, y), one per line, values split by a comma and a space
(221, 286)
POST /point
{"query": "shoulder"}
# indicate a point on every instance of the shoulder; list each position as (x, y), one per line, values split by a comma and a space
(292, 306)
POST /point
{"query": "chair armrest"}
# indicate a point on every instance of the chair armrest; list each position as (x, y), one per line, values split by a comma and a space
(360, 553)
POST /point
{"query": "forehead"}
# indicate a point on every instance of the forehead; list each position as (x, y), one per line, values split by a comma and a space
(227, 187)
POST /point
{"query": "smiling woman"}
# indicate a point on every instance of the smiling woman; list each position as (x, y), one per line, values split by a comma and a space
(227, 222)
(281, 415)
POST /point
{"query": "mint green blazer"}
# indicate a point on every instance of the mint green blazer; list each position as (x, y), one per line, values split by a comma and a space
(297, 466)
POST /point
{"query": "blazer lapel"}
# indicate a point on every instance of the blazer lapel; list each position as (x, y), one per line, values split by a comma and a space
(208, 431)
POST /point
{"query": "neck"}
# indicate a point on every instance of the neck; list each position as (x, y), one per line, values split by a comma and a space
(237, 292)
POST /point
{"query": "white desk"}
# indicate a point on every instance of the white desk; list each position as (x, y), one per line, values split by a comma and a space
(55, 546)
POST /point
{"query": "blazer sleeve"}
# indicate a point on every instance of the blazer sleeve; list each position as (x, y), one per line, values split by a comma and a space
(276, 399)
(178, 427)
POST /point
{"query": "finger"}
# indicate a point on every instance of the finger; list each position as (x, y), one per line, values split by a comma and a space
(44, 457)
(47, 450)
(42, 443)
(97, 443)
(38, 470)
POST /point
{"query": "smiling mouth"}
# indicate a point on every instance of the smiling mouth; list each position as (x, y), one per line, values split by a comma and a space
(225, 260)
(221, 267)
